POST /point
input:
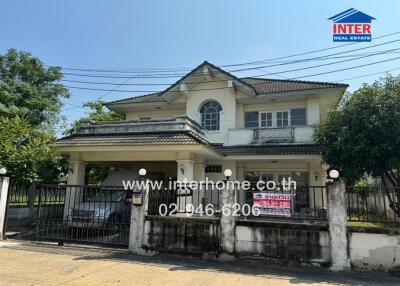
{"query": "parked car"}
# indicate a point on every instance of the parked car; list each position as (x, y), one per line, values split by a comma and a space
(107, 208)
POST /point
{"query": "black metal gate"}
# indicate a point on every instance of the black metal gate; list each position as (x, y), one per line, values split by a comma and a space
(91, 214)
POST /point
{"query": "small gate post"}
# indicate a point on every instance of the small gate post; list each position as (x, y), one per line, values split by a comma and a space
(227, 224)
(137, 227)
(337, 218)
(4, 183)
(31, 203)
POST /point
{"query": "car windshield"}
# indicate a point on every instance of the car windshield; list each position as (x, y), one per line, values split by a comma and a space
(109, 196)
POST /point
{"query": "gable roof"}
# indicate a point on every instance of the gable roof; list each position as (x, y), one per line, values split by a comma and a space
(205, 63)
(256, 85)
(352, 16)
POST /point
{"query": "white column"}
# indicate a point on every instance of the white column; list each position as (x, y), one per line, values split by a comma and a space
(317, 196)
(185, 173)
(137, 228)
(240, 176)
(76, 174)
(227, 224)
(337, 218)
(73, 194)
(199, 175)
(4, 183)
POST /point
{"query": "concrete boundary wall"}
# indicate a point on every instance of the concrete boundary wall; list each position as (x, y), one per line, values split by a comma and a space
(374, 251)
(299, 242)
(289, 241)
(325, 243)
(182, 235)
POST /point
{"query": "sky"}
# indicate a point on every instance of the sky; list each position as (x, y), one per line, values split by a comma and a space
(179, 35)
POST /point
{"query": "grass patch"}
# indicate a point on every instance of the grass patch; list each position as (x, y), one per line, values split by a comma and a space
(385, 225)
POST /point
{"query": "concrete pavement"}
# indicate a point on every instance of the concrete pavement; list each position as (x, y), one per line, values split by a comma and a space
(23, 263)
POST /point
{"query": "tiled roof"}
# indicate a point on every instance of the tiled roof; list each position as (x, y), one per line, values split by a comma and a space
(129, 139)
(276, 149)
(260, 85)
(267, 86)
(152, 97)
(183, 138)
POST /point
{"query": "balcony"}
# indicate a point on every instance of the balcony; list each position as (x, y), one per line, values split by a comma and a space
(295, 134)
(172, 124)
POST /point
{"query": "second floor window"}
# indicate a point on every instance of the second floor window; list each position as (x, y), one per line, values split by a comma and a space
(282, 118)
(276, 119)
(210, 115)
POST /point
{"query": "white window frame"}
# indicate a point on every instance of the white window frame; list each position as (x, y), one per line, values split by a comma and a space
(274, 118)
(219, 116)
(266, 113)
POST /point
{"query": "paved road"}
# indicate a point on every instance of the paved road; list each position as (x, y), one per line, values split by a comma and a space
(41, 264)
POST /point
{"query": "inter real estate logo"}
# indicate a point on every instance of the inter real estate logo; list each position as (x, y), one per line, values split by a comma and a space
(352, 26)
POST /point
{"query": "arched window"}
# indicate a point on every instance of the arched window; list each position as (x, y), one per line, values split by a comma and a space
(210, 115)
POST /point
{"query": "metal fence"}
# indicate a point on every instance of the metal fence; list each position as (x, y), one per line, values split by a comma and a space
(171, 201)
(372, 204)
(21, 195)
(307, 202)
(84, 213)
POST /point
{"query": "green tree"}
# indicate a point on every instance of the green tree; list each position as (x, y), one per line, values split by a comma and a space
(29, 89)
(29, 153)
(95, 173)
(363, 135)
(97, 113)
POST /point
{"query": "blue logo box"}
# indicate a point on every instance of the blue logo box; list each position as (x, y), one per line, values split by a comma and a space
(352, 38)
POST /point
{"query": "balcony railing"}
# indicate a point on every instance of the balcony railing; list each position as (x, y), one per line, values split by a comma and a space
(296, 134)
(262, 135)
(179, 123)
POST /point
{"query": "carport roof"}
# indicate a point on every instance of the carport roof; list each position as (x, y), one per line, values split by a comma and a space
(130, 139)
(183, 138)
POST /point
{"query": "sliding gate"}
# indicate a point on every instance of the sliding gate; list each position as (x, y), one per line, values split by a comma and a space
(92, 214)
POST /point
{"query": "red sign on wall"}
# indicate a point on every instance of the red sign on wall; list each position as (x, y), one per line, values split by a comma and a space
(273, 204)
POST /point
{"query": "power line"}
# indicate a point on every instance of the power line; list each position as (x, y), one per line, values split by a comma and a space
(306, 53)
(168, 84)
(155, 76)
(150, 70)
(333, 63)
(366, 75)
(320, 57)
(217, 88)
(79, 107)
(286, 71)
(369, 64)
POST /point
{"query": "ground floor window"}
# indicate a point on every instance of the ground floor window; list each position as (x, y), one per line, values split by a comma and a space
(300, 177)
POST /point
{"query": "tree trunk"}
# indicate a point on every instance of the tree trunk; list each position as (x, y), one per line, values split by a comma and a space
(394, 201)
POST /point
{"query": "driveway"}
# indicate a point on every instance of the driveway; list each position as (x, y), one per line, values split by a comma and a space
(23, 263)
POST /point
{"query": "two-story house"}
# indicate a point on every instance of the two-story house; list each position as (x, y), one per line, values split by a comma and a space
(209, 121)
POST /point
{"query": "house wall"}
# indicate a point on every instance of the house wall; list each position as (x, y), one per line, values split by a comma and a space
(155, 171)
(168, 169)
(275, 105)
(155, 113)
(232, 131)
(222, 95)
